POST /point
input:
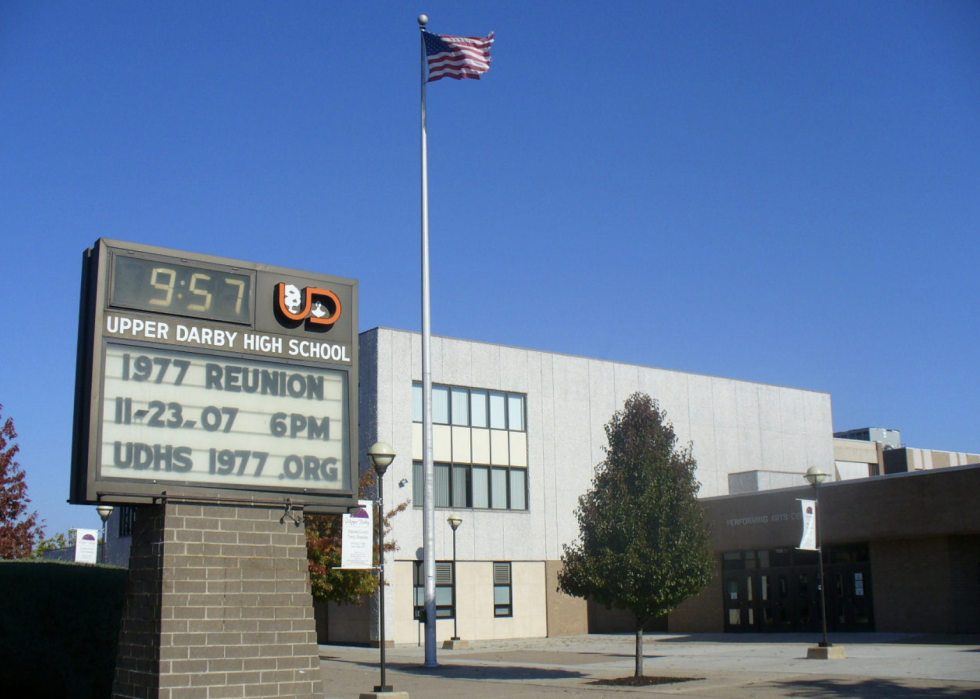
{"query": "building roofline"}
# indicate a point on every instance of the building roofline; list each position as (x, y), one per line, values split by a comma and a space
(594, 359)
(849, 481)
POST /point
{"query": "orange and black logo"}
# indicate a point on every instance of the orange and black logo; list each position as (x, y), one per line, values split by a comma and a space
(315, 306)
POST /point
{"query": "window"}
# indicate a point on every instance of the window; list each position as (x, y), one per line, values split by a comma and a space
(461, 407)
(472, 487)
(442, 484)
(472, 407)
(518, 489)
(127, 518)
(461, 486)
(478, 404)
(481, 487)
(445, 598)
(515, 411)
(417, 402)
(461, 483)
(498, 489)
(440, 405)
(502, 593)
(498, 411)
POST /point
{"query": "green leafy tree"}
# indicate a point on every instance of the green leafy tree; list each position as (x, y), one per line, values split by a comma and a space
(58, 541)
(643, 542)
(19, 530)
(323, 539)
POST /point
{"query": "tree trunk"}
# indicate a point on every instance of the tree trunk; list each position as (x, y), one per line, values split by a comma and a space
(639, 649)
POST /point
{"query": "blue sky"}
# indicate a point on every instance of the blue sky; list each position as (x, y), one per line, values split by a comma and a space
(783, 192)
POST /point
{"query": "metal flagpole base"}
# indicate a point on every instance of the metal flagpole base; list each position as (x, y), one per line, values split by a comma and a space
(383, 693)
(828, 652)
(455, 643)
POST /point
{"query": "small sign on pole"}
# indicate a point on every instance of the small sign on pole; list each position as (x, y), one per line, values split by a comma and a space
(809, 540)
(86, 545)
(357, 539)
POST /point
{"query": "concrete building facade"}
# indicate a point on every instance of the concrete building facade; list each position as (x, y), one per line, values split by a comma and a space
(508, 549)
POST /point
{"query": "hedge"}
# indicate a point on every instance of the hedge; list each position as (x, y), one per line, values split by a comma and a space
(59, 627)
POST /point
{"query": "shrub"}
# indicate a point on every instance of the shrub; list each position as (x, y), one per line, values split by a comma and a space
(59, 628)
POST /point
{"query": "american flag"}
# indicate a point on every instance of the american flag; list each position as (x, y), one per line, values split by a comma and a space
(457, 56)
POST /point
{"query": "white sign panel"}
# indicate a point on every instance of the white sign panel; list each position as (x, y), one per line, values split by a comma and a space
(86, 545)
(203, 419)
(809, 540)
(357, 539)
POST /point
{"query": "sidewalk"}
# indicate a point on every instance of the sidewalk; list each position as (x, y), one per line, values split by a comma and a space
(749, 666)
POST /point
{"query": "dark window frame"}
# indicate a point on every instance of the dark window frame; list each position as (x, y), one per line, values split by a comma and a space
(467, 472)
(503, 610)
(446, 569)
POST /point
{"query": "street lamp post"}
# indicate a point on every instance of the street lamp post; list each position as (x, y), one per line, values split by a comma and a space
(104, 512)
(381, 455)
(454, 521)
(815, 476)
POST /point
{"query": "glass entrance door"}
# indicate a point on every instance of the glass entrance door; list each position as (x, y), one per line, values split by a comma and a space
(741, 601)
(778, 590)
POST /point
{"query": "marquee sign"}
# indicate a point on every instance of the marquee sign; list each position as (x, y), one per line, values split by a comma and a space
(207, 378)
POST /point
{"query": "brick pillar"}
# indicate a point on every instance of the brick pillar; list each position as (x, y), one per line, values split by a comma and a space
(218, 605)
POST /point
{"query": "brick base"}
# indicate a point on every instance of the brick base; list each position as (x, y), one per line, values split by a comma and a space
(218, 605)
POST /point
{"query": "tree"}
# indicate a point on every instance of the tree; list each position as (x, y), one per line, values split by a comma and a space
(18, 530)
(54, 543)
(323, 539)
(643, 542)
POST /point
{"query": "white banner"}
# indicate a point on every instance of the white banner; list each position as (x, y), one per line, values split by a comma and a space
(357, 540)
(86, 545)
(809, 540)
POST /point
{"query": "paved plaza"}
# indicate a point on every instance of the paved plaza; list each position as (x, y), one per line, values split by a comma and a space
(756, 666)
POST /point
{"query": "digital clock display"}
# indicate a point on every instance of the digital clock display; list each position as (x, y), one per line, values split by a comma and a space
(185, 290)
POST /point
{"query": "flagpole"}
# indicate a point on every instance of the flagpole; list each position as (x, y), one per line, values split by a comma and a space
(428, 467)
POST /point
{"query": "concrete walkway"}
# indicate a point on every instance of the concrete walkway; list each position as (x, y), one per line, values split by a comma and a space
(744, 666)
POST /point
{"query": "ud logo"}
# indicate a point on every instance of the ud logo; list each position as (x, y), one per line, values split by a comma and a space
(316, 306)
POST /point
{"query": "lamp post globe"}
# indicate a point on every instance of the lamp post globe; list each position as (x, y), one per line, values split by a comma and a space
(815, 476)
(381, 455)
(105, 511)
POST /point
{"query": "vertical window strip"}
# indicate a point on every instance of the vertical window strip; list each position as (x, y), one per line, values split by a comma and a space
(502, 590)
(498, 488)
(481, 487)
(440, 405)
(461, 486)
(515, 411)
(127, 518)
(478, 408)
(498, 410)
(416, 402)
(518, 489)
(418, 483)
(461, 407)
(442, 485)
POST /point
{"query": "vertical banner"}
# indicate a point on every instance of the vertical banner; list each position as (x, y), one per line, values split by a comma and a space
(357, 539)
(809, 540)
(86, 545)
